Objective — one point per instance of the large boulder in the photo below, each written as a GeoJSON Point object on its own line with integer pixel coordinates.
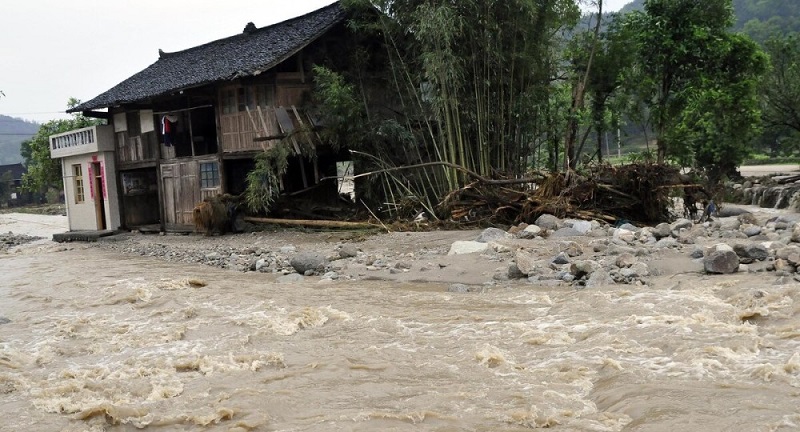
{"type": "Point", "coordinates": [309, 261]}
{"type": "Point", "coordinates": [721, 262]}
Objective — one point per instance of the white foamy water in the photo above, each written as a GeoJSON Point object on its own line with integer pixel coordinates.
{"type": "Point", "coordinates": [98, 341]}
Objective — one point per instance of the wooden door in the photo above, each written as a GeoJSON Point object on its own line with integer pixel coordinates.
{"type": "Point", "coordinates": [181, 186]}
{"type": "Point", "coordinates": [99, 195]}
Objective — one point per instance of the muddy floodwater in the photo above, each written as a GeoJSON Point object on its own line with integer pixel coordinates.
{"type": "Point", "coordinates": [97, 341]}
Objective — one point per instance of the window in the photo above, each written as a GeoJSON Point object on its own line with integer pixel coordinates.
{"type": "Point", "coordinates": [133, 119]}
{"type": "Point", "coordinates": [228, 101]}
{"type": "Point", "coordinates": [77, 176]}
{"type": "Point", "coordinates": [209, 175]}
{"type": "Point", "coordinates": [265, 96]}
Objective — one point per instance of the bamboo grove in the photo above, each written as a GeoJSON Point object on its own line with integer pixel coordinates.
{"type": "Point", "coordinates": [430, 96]}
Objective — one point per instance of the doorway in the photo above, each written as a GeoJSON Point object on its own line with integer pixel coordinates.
{"type": "Point", "coordinates": [99, 196]}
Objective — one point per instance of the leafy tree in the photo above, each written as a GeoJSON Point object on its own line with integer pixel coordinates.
{"type": "Point", "coordinates": [675, 41]}
{"type": "Point", "coordinates": [781, 86]}
{"type": "Point", "coordinates": [612, 56]}
{"type": "Point", "coordinates": [722, 116]}
{"type": "Point", "coordinates": [44, 172]}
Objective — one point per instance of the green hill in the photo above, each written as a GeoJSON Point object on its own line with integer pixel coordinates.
{"type": "Point", "coordinates": [13, 132]}
{"type": "Point", "coordinates": [758, 18]}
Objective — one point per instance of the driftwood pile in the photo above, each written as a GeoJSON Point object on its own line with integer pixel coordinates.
{"type": "Point", "coordinates": [638, 193]}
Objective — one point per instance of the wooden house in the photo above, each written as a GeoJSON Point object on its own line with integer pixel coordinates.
{"type": "Point", "coordinates": [16, 194]}
{"type": "Point", "coordinates": [189, 126]}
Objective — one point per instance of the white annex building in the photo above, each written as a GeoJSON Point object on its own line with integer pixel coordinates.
{"type": "Point", "coordinates": [90, 185]}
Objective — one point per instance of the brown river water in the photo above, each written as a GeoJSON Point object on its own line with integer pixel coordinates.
{"type": "Point", "coordinates": [101, 341]}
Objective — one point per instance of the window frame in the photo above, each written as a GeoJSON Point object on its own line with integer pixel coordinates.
{"type": "Point", "coordinates": [78, 183]}
{"type": "Point", "coordinates": [209, 175]}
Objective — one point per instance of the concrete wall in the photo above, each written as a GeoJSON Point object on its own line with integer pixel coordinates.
{"type": "Point", "coordinates": [83, 216]}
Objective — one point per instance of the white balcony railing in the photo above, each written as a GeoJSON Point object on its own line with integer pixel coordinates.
{"type": "Point", "coordinates": [82, 141]}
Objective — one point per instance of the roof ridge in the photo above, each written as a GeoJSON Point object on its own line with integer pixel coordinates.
{"type": "Point", "coordinates": [163, 54]}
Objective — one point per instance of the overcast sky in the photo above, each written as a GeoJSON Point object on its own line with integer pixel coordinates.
{"type": "Point", "coordinates": [51, 50]}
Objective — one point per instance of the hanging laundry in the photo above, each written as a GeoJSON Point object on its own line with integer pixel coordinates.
{"type": "Point", "coordinates": [168, 129]}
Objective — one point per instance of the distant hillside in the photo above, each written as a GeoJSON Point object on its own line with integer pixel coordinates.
{"type": "Point", "coordinates": [757, 18]}
{"type": "Point", "coordinates": [12, 132]}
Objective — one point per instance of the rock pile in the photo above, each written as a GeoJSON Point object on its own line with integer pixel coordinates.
{"type": "Point", "coordinates": [550, 252]}
{"type": "Point", "coordinates": [9, 240]}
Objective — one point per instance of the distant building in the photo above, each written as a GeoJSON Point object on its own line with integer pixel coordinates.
{"type": "Point", "coordinates": [17, 196]}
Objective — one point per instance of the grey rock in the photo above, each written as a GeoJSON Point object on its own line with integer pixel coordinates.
{"type": "Point", "coordinates": [566, 276]}
{"type": "Point", "coordinates": [527, 261]}
{"type": "Point", "coordinates": [288, 249]}
{"type": "Point", "coordinates": [213, 256]}
{"type": "Point", "coordinates": [260, 264]}
{"type": "Point", "coordinates": [403, 265]}
{"type": "Point", "coordinates": [583, 268]}
{"type": "Point", "coordinates": [571, 248]}
{"type": "Point", "coordinates": [623, 236]}
{"type": "Point", "coordinates": [629, 227]}
{"type": "Point", "coordinates": [548, 222]}
{"type": "Point", "coordinates": [491, 235]}
{"type": "Point", "coordinates": [666, 242]}
{"type": "Point", "coordinates": [625, 260]}
{"type": "Point", "coordinates": [697, 252]}
{"type": "Point", "coordinates": [331, 276]}
{"type": "Point", "coordinates": [566, 232]}
{"type": "Point", "coordinates": [348, 251]}
{"type": "Point", "coordinates": [583, 227]}
{"type": "Point", "coordinates": [530, 232]}
{"type": "Point", "coordinates": [4, 320]}
{"type": "Point", "coordinates": [599, 278]}
{"type": "Point", "coordinates": [306, 261]}
{"type": "Point", "coordinates": [662, 230]}
{"type": "Point", "coordinates": [729, 211]}
{"type": "Point", "coordinates": [681, 224]}
{"type": "Point", "coordinates": [721, 262]}
{"type": "Point", "coordinates": [515, 273]}
{"type": "Point", "coordinates": [754, 251]}
{"type": "Point", "coordinates": [467, 247]}
{"type": "Point", "coordinates": [728, 224]}
{"type": "Point", "coordinates": [789, 253]}
{"type": "Point", "coordinates": [752, 230]}
{"type": "Point", "coordinates": [561, 259]}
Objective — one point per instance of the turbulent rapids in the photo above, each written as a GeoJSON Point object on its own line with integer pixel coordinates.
{"type": "Point", "coordinates": [94, 338]}
{"type": "Point", "coordinates": [114, 347]}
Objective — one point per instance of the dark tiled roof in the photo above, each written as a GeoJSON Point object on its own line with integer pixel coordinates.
{"type": "Point", "coordinates": [250, 53]}
{"type": "Point", "coordinates": [17, 170]}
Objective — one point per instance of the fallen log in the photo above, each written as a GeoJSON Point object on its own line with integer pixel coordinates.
{"type": "Point", "coordinates": [312, 223]}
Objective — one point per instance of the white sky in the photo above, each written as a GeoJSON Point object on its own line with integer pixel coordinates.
{"type": "Point", "coordinates": [51, 50]}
